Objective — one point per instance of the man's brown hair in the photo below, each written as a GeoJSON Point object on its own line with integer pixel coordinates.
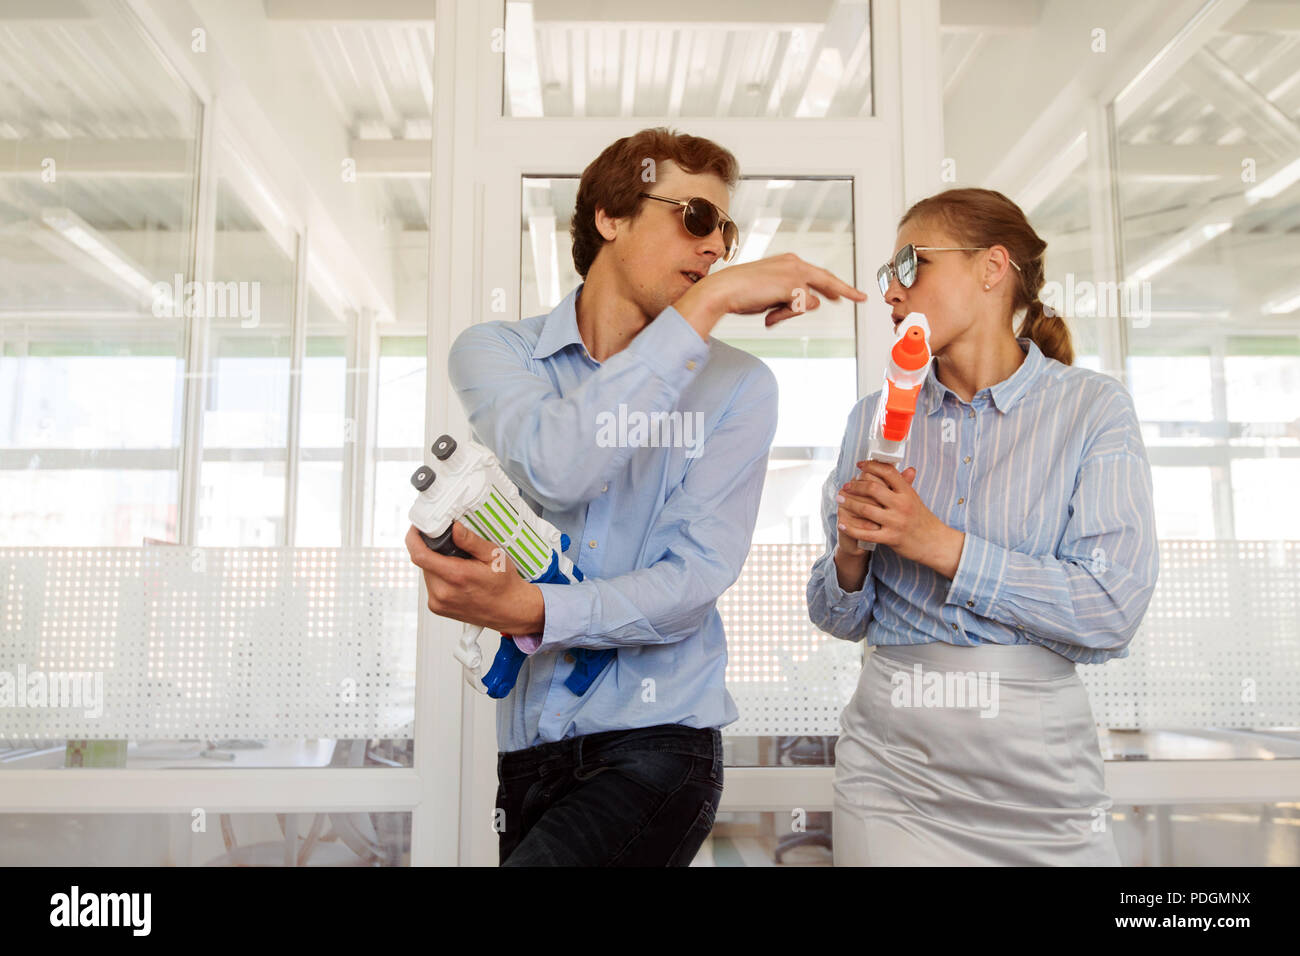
{"type": "Point", "coordinates": [616, 178]}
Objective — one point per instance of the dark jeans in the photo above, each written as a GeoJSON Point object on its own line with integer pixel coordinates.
{"type": "Point", "coordinates": [643, 797]}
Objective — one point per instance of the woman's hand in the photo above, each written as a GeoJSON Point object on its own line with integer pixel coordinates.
{"type": "Point", "coordinates": [854, 496]}
{"type": "Point", "coordinates": [483, 589]}
{"type": "Point", "coordinates": [882, 506]}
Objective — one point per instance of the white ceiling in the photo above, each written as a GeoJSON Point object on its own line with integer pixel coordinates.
{"type": "Point", "coordinates": [76, 84]}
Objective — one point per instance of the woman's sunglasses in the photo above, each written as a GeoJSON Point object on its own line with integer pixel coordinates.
{"type": "Point", "coordinates": [903, 267]}
{"type": "Point", "coordinates": [701, 217]}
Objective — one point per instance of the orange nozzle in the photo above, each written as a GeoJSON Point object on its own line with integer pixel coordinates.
{"type": "Point", "coordinates": [909, 351]}
{"type": "Point", "coordinates": [900, 406]}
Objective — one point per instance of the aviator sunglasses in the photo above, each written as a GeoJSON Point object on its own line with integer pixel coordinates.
{"type": "Point", "coordinates": [701, 217]}
{"type": "Point", "coordinates": [903, 266]}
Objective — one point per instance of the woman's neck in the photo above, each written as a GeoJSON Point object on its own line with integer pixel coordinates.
{"type": "Point", "coordinates": [969, 365]}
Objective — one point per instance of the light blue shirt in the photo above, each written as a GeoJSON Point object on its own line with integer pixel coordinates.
{"type": "Point", "coordinates": [660, 518]}
{"type": "Point", "coordinates": [1047, 475]}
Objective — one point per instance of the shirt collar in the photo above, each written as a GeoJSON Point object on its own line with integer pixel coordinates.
{"type": "Point", "coordinates": [561, 327]}
{"type": "Point", "coordinates": [1005, 393]}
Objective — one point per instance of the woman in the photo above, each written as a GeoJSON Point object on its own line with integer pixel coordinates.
{"type": "Point", "coordinates": [1019, 540]}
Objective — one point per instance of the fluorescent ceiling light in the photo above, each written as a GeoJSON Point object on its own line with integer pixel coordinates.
{"type": "Point", "coordinates": [758, 237]}
{"type": "Point", "coordinates": [822, 85]}
{"type": "Point", "coordinates": [1283, 179]}
{"type": "Point", "coordinates": [525, 86]}
{"type": "Point", "coordinates": [1182, 245]}
{"type": "Point", "coordinates": [85, 237]}
{"type": "Point", "coordinates": [1287, 302]}
{"type": "Point", "coordinates": [541, 234]}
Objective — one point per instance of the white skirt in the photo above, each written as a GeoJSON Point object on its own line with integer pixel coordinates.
{"type": "Point", "coordinates": [970, 756]}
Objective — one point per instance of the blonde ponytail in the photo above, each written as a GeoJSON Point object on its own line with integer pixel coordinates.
{"type": "Point", "coordinates": [1048, 331]}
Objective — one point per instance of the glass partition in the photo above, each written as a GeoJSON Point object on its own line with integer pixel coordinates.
{"type": "Point", "coordinates": [95, 235]}
{"type": "Point", "coordinates": [1207, 176]}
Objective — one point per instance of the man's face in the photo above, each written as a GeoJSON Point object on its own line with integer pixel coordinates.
{"type": "Point", "coordinates": [653, 253]}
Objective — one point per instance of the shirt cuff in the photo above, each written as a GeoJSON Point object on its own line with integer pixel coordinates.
{"type": "Point", "coordinates": [672, 348]}
{"type": "Point", "coordinates": [838, 599]}
{"type": "Point", "coordinates": [979, 577]}
{"type": "Point", "coordinates": [528, 643]}
{"type": "Point", "coordinates": [568, 612]}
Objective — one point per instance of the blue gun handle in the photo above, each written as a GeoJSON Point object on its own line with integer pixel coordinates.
{"type": "Point", "coordinates": [588, 664]}
{"type": "Point", "coordinates": [501, 677]}
{"type": "Point", "coordinates": [503, 673]}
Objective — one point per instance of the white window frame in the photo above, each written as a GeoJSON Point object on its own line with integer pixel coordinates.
{"type": "Point", "coordinates": [476, 223]}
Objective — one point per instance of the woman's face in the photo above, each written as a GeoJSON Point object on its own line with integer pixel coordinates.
{"type": "Point", "coordinates": [949, 286]}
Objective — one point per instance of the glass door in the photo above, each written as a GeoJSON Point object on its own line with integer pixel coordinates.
{"type": "Point", "coordinates": [818, 181]}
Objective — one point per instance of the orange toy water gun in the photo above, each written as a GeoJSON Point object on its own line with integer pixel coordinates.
{"type": "Point", "coordinates": [909, 364]}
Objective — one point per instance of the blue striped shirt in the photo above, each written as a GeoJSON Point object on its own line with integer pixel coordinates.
{"type": "Point", "coordinates": [659, 530]}
{"type": "Point", "coordinates": [1047, 475]}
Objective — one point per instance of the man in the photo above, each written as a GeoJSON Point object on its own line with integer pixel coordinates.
{"type": "Point", "coordinates": [630, 772]}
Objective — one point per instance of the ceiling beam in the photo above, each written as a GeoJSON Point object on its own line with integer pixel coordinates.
{"type": "Point", "coordinates": [722, 14]}
{"type": "Point", "coordinates": [1005, 154]}
{"type": "Point", "coordinates": [12, 10]}
{"type": "Point", "coordinates": [1266, 16]}
{"type": "Point", "coordinates": [151, 158]}
{"type": "Point", "coordinates": [396, 158]}
{"type": "Point", "coordinates": [1239, 102]}
{"type": "Point", "coordinates": [1161, 162]}
{"type": "Point", "coordinates": [349, 11]}
{"type": "Point", "coordinates": [682, 44]}
{"type": "Point", "coordinates": [989, 16]}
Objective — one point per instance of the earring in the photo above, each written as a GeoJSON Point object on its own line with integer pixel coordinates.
{"type": "Point", "coordinates": [986, 287]}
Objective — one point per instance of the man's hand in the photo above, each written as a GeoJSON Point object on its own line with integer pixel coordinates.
{"type": "Point", "coordinates": [781, 286]}
{"type": "Point", "coordinates": [882, 506]}
{"type": "Point", "coordinates": [484, 590]}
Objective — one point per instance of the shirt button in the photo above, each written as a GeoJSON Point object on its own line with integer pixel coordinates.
{"type": "Point", "coordinates": [690, 365]}
{"type": "Point", "coordinates": [967, 459]}
{"type": "Point", "coordinates": [954, 627]}
{"type": "Point", "coordinates": [968, 604]}
{"type": "Point", "coordinates": [972, 413]}
{"type": "Point", "coordinates": [604, 488]}
{"type": "Point", "coordinates": [961, 501]}
{"type": "Point", "coordinates": [568, 658]}
{"type": "Point", "coordinates": [591, 543]}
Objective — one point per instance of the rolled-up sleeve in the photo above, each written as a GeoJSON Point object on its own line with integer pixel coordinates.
{"type": "Point", "coordinates": [840, 613]}
{"type": "Point", "coordinates": [534, 431]}
{"type": "Point", "coordinates": [700, 541]}
{"type": "Point", "coordinates": [1094, 591]}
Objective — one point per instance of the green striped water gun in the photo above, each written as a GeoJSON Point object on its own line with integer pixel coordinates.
{"type": "Point", "coordinates": [469, 485]}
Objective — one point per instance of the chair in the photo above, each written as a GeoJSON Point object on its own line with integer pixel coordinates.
{"type": "Point", "coordinates": [806, 751]}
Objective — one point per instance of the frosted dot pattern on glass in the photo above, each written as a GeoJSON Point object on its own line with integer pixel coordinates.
{"type": "Point", "coordinates": [1219, 646]}
{"type": "Point", "coordinates": [286, 644]}
{"type": "Point", "coordinates": [265, 644]}
{"type": "Point", "coordinates": [787, 677]}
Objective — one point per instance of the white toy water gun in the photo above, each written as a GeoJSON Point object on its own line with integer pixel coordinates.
{"type": "Point", "coordinates": [909, 364]}
{"type": "Point", "coordinates": [469, 485]}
